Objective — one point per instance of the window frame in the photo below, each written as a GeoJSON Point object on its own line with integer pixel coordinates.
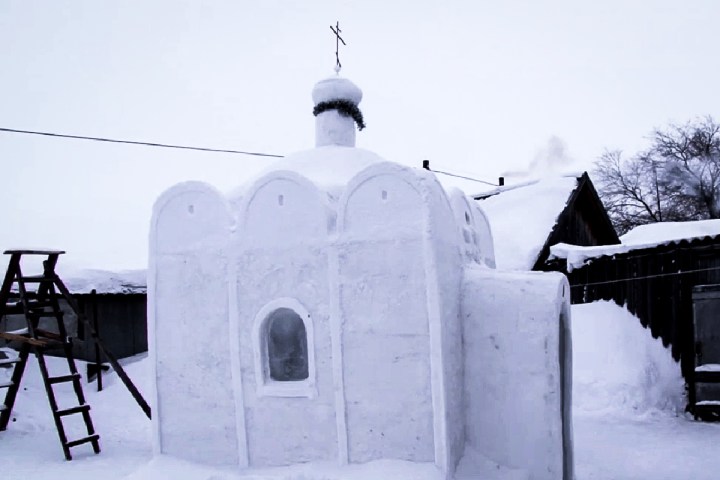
{"type": "Point", "coordinates": [266, 386]}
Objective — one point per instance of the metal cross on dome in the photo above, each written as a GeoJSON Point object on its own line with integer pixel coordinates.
{"type": "Point", "coordinates": [336, 30]}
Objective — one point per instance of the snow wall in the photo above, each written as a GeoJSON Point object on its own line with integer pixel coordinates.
{"type": "Point", "coordinates": [193, 379]}
{"type": "Point", "coordinates": [518, 373]}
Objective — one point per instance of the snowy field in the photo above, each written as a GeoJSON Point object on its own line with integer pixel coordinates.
{"type": "Point", "coordinates": [628, 420]}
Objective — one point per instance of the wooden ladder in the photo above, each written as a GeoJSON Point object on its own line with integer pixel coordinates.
{"type": "Point", "coordinates": [42, 303]}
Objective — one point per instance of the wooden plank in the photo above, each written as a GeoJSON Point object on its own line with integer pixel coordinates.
{"type": "Point", "coordinates": [20, 338]}
{"type": "Point", "coordinates": [34, 252]}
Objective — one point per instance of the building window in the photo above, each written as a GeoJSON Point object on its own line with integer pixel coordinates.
{"type": "Point", "coordinates": [286, 346]}
{"type": "Point", "coordinates": [284, 350]}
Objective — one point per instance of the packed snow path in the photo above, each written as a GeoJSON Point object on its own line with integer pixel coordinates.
{"type": "Point", "coordinates": [661, 448]}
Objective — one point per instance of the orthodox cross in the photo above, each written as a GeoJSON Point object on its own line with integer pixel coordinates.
{"type": "Point", "coordinates": [336, 30]}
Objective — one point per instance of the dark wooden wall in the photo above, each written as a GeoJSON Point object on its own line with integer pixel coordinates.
{"type": "Point", "coordinates": [121, 320]}
{"type": "Point", "coordinates": [122, 324]}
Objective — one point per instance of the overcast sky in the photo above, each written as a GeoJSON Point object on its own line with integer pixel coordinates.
{"type": "Point", "coordinates": [478, 87]}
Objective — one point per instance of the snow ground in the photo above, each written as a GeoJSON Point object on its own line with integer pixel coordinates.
{"type": "Point", "coordinates": [630, 431]}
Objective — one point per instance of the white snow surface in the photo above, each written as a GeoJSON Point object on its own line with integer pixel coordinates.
{"type": "Point", "coordinates": [708, 367]}
{"type": "Point", "coordinates": [618, 368]}
{"type": "Point", "coordinates": [523, 216]}
{"type": "Point", "coordinates": [618, 443]}
{"type": "Point", "coordinates": [643, 236]}
{"type": "Point", "coordinates": [84, 281]}
{"type": "Point", "coordinates": [665, 232]}
{"type": "Point", "coordinates": [104, 281]}
{"type": "Point", "coordinates": [321, 166]}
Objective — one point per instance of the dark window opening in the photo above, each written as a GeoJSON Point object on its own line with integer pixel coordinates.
{"type": "Point", "coordinates": [287, 350]}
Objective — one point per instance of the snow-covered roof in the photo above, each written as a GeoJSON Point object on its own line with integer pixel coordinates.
{"type": "Point", "coordinates": [522, 216]}
{"type": "Point", "coordinates": [644, 236]}
{"type": "Point", "coordinates": [105, 282]}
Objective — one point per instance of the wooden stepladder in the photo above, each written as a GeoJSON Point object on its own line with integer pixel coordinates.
{"type": "Point", "coordinates": [35, 304]}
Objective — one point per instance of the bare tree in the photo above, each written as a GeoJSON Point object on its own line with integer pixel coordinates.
{"type": "Point", "coordinates": [691, 158]}
{"type": "Point", "coordinates": [676, 179]}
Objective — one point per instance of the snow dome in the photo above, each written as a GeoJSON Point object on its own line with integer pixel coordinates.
{"type": "Point", "coordinates": [346, 308]}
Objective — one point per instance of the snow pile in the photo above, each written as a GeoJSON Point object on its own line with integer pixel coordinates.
{"type": "Point", "coordinates": [644, 236]}
{"type": "Point", "coordinates": [522, 217]}
{"type": "Point", "coordinates": [618, 368]}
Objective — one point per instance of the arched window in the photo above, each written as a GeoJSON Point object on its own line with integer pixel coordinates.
{"type": "Point", "coordinates": [283, 346]}
{"type": "Point", "coordinates": [287, 352]}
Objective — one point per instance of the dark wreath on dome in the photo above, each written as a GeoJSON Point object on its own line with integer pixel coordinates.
{"type": "Point", "coordinates": [346, 109]}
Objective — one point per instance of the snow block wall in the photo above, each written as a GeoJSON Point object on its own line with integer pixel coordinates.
{"type": "Point", "coordinates": [390, 305]}
{"type": "Point", "coordinates": [188, 276]}
{"type": "Point", "coordinates": [518, 370]}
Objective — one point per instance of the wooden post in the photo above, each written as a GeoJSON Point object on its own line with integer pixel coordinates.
{"type": "Point", "coordinates": [98, 363]}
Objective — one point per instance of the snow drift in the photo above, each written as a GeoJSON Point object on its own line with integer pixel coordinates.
{"type": "Point", "coordinates": [618, 368]}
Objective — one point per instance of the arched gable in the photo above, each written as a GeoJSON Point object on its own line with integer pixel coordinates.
{"type": "Point", "coordinates": [284, 207]}
{"type": "Point", "coordinates": [189, 216]}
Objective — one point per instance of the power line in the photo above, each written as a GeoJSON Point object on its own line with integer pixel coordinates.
{"type": "Point", "coordinates": [186, 147]}
{"type": "Point", "coordinates": [464, 177]}
{"type": "Point", "coordinates": [146, 144]}
{"type": "Point", "coordinates": [644, 277]}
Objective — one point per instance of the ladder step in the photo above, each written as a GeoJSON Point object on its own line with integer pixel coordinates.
{"type": "Point", "coordinates": [37, 279]}
{"type": "Point", "coordinates": [63, 378]}
{"type": "Point", "coordinates": [20, 251]}
{"type": "Point", "coordinates": [73, 410]}
{"type": "Point", "coordinates": [75, 443]}
{"type": "Point", "coordinates": [35, 304]}
{"type": "Point", "coordinates": [6, 385]}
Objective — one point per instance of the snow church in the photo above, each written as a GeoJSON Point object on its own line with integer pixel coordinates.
{"type": "Point", "coordinates": [345, 308]}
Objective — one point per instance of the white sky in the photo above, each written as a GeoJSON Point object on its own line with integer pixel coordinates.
{"type": "Point", "coordinates": [479, 87]}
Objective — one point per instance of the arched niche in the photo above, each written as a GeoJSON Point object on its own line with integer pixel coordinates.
{"type": "Point", "coordinates": [284, 350]}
